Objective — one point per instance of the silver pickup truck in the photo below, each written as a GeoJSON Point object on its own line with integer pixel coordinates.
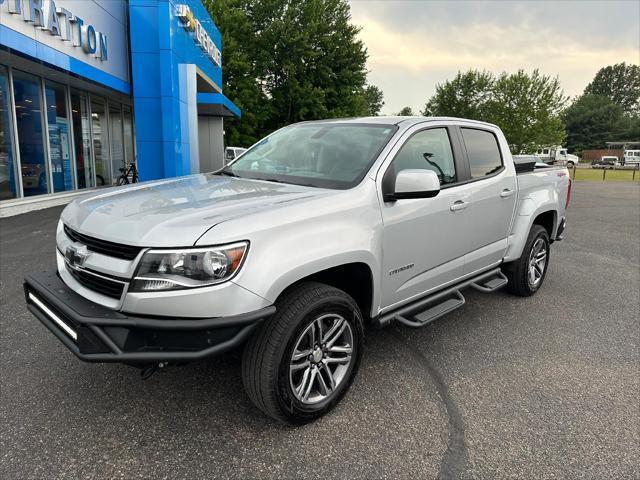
{"type": "Point", "coordinates": [319, 230]}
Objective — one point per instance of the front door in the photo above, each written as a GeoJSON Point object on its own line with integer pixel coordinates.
{"type": "Point", "coordinates": [425, 239]}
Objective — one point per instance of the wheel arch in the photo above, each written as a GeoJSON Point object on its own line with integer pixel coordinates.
{"type": "Point", "coordinates": [354, 278]}
{"type": "Point", "coordinates": [545, 216]}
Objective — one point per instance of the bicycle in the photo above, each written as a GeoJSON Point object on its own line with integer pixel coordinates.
{"type": "Point", "coordinates": [127, 172]}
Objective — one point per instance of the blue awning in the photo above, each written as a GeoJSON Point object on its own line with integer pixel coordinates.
{"type": "Point", "coordinates": [216, 104]}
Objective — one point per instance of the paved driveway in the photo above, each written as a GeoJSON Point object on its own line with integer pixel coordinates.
{"type": "Point", "coordinates": [545, 387]}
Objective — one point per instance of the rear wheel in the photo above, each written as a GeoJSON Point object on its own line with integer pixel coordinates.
{"type": "Point", "coordinates": [527, 274]}
{"type": "Point", "coordinates": [302, 361]}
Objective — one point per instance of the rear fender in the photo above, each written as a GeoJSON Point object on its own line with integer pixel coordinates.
{"type": "Point", "coordinates": [522, 224]}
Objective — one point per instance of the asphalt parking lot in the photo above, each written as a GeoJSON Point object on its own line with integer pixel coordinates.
{"type": "Point", "coordinates": [544, 387]}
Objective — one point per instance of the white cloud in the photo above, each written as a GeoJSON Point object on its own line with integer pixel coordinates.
{"type": "Point", "coordinates": [407, 62]}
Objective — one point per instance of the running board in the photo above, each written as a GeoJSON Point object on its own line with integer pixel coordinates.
{"type": "Point", "coordinates": [425, 310]}
{"type": "Point", "coordinates": [491, 284]}
{"type": "Point", "coordinates": [434, 312]}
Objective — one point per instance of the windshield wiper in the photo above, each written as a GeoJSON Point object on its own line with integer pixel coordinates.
{"type": "Point", "coordinates": [227, 173]}
{"type": "Point", "coordinates": [274, 180]}
{"type": "Point", "coordinates": [269, 180]}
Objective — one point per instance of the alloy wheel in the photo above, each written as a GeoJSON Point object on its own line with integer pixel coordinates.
{"type": "Point", "coordinates": [321, 358]}
{"type": "Point", "coordinates": [537, 262]}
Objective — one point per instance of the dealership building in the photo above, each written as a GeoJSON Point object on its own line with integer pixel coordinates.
{"type": "Point", "coordinates": [87, 87]}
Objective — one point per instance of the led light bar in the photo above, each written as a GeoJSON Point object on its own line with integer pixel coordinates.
{"type": "Point", "coordinates": [69, 331]}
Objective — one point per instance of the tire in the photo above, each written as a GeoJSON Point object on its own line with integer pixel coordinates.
{"type": "Point", "coordinates": [122, 180]}
{"type": "Point", "coordinates": [519, 273]}
{"type": "Point", "coordinates": [270, 380]}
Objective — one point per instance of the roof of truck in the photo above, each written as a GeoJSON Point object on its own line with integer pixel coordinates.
{"type": "Point", "coordinates": [397, 120]}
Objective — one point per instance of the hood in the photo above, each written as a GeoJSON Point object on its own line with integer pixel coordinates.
{"type": "Point", "coordinates": [176, 212]}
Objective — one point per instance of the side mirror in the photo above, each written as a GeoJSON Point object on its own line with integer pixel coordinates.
{"type": "Point", "coordinates": [414, 184]}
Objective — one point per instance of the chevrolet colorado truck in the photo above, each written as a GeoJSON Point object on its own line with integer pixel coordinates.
{"type": "Point", "coordinates": [317, 231]}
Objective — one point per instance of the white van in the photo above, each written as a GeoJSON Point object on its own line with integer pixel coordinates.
{"type": "Point", "coordinates": [632, 157]}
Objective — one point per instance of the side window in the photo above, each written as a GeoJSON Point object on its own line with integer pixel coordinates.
{"type": "Point", "coordinates": [428, 150]}
{"type": "Point", "coordinates": [483, 151]}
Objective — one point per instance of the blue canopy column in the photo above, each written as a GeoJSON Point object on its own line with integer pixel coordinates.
{"type": "Point", "coordinates": [177, 76]}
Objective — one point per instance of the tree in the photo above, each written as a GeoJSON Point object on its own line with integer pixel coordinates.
{"type": "Point", "coordinates": [619, 82]}
{"type": "Point", "coordinates": [593, 120]}
{"type": "Point", "coordinates": [405, 112]}
{"type": "Point", "coordinates": [374, 98]}
{"type": "Point", "coordinates": [290, 60]}
{"type": "Point", "coordinates": [527, 107]}
{"type": "Point", "coordinates": [465, 96]}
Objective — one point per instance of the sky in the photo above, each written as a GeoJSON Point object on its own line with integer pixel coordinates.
{"type": "Point", "coordinates": [415, 44]}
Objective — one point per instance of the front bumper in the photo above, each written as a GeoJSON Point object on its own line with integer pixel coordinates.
{"type": "Point", "coordinates": [98, 334]}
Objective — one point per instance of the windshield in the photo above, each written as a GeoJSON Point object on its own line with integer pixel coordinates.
{"type": "Point", "coordinates": [326, 155]}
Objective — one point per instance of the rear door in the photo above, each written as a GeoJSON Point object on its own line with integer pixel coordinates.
{"type": "Point", "coordinates": [494, 196]}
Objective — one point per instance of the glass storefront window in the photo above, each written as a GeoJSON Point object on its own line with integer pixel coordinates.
{"type": "Point", "coordinates": [8, 180]}
{"type": "Point", "coordinates": [128, 135]}
{"type": "Point", "coordinates": [55, 138]}
{"type": "Point", "coordinates": [26, 89]}
{"type": "Point", "coordinates": [82, 138]}
{"type": "Point", "coordinates": [117, 148]}
{"type": "Point", "coordinates": [59, 137]}
{"type": "Point", "coordinates": [100, 135]}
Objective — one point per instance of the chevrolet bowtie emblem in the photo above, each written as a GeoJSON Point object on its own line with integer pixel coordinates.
{"type": "Point", "coordinates": [76, 255]}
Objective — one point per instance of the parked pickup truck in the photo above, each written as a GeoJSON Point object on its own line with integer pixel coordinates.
{"type": "Point", "coordinates": [317, 231]}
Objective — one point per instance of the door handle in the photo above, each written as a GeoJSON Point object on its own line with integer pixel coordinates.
{"type": "Point", "coordinates": [507, 192]}
{"type": "Point", "coordinates": [459, 205]}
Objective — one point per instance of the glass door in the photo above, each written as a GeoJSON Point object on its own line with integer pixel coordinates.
{"type": "Point", "coordinates": [27, 94]}
{"type": "Point", "coordinates": [9, 187]}
{"type": "Point", "coordinates": [59, 136]}
{"type": "Point", "coordinates": [129, 148]}
{"type": "Point", "coordinates": [100, 137]}
{"type": "Point", "coordinates": [117, 147]}
{"type": "Point", "coordinates": [82, 138]}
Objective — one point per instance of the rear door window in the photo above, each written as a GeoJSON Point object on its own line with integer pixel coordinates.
{"type": "Point", "coordinates": [483, 152]}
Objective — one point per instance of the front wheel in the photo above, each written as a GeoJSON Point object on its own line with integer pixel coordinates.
{"type": "Point", "coordinates": [301, 362]}
{"type": "Point", "coordinates": [526, 274]}
{"type": "Point", "coordinates": [122, 180]}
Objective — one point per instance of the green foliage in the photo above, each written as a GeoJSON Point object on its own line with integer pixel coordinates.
{"type": "Point", "coordinates": [527, 107]}
{"type": "Point", "coordinates": [466, 96]}
{"type": "Point", "coordinates": [406, 112]}
{"type": "Point", "coordinates": [619, 82]}
{"type": "Point", "coordinates": [528, 110]}
{"type": "Point", "coordinates": [374, 98]}
{"type": "Point", "coordinates": [290, 60]}
{"type": "Point", "coordinates": [593, 120]}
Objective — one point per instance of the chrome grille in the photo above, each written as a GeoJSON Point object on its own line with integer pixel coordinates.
{"type": "Point", "coordinates": [118, 250]}
{"type": "Point", "coordinates": [103, 285]}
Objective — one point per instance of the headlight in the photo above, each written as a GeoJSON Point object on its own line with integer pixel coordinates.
{"type": "Point", "coordinates": [162, 270]}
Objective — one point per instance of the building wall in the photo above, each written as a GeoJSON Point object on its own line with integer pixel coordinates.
{"type": "Point", "coordinates": [211, 143]}
{"type": "Point", "coordinates": [590, 155]}
{"type": "Point", "coordinates": [109, 18]}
